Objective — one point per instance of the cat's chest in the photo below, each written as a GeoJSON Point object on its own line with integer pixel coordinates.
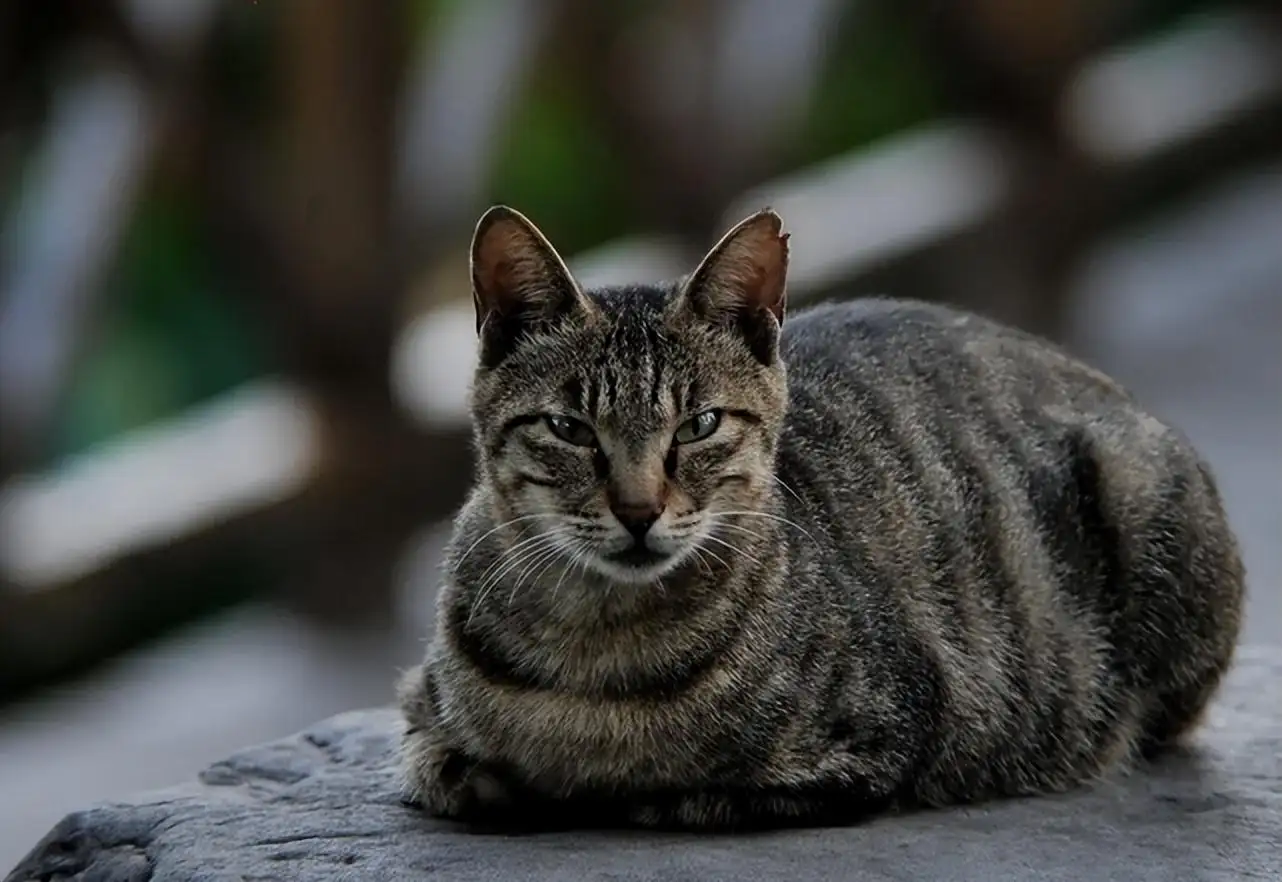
{"type": "Point", "coordinates": [560, 740]}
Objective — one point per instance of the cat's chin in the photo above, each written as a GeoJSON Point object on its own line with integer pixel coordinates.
{"type": "Point", "coordinates": [643, 568]}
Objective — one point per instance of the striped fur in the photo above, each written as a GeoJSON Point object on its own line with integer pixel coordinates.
{"type": "Point", "coordinates": [965, 566]}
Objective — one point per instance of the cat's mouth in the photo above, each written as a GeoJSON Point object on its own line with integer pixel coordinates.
{"type": "Point", "coordinates": [638, 556]}
{"type": "Point", "coordinates": [638, 564]}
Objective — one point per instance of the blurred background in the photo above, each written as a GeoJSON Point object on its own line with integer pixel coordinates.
{"type": "Point", "coordinates": [236, 332]}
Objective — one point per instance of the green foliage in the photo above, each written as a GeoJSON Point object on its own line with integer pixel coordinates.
{"type": "Point", "coordinates": [422, 16]}
{"type": "Point", "coordinates": [169, 336]}
{"type": "Point", "coordinates": [877, 82]}
{"type": "Point", "coordinates": [556, 163]}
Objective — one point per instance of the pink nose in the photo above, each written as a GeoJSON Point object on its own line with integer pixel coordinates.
{"type": "Point", "coordinates": [637, 518]}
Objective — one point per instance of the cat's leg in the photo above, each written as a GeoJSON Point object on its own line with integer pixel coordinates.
{"type": "Point", "coordinates": [440, 777]}
{"type": "Point", "coordinates": [724, 809]}
{"type": "Point", "coordinates": [437, 773]}
{"type": "Point", "coordinates": [446, 783]}
{"type": "Point", "coordinates": [713, 809]}
{"type": "Point", "coordinates": [837, 792]}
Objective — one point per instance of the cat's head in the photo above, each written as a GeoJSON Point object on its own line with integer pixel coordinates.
{"type": "Point", "coordinates": [628, 426]}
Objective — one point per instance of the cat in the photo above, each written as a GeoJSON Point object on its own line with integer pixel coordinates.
{"type": "Point", "coordinates": [722, 572]}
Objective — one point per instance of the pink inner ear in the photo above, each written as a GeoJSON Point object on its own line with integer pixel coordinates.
{"type": "Point", "coordinates": [510, 267]}
{"type": "Point", "coordinates": [775, 282]}
{"type": "Point", "coordinates": [501, 278]}
{"type": "Point", "coordinates": [749, 269]}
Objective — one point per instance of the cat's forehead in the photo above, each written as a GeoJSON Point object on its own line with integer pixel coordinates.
{"type": "Point", "coordinates": [635, 335]}
{"type": "Point", "coordinates": [633, 370]}
{"type": "Point", "coordinates": [632, 365]}
{"type": "Point", "coordinates": [633, 315]}
{"type": "Point", "coordinates": [641, 373]}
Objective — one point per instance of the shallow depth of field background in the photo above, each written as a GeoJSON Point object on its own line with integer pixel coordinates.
{"type": "Point", "coordinates": [236, 333]}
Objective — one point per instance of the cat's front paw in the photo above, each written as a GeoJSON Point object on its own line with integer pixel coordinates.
{"type": "Point", "coordinates": [697, 810]}
{"type": "Point", "coordinates": [446, 783]}
{"type": "Point", "coordinates": [726, 810]}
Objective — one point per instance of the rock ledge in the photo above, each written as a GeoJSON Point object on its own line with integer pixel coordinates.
{"type": "Point", "coordinates": [323, 805]}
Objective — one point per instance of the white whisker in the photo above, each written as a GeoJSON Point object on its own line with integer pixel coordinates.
{"type": "Point", "coordinates": [699, 551]}
{"type": "Point", "coordinates": [527, 541]}
{"type": "Point", "coordinates": [488, 533]}
{"type": "Point", "coordinates": [782, 483]}
{"type": "Point", "coordinates": [753, 533]}
{"type": "Point", "coordinates": [548, 557]}
{"type": "Point", "coordinates": [516, 557]}
{"type": "Point", "coordinates": [510, 560]}
{"type": "Point", "coordinates": [578, 557]}
{"type": "Point", "coordinates": [718, 558]}
{"type": "Point", "coordinates": [766, 515]}
{"type": "Point", "coordinates": [733, 548]}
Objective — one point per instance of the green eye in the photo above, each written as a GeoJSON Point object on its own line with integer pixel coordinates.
{"type": "Point", "coordinates": [571, 431]}
{"type": "Point", "coordinates": [698, 427]}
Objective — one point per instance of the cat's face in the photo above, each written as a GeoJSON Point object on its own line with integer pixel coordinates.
{"type": "Point", "coordinates": [626, 428]}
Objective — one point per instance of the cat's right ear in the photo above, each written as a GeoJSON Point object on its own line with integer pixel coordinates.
{"type": "Point", "coordinates": [741, 283]}
{"type": "Point", "coordinates": [519, 283]}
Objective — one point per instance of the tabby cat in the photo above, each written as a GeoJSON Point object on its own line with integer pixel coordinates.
{"type": "Point", "coordinates": [719, 573]}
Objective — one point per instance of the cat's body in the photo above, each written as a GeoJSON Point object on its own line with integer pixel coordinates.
{"type": "Point", "coordinates": [945, 562]}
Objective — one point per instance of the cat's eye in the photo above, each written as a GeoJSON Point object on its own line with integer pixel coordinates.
{"type": "Point", "coordinates": [698, 427]}
{"type": "Point", "coordinates": [571, 431]}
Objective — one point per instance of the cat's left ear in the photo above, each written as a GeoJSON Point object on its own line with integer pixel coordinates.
{"type": "Point", "coordinates": [742, 282]}
{"type": "Point", "coordinates": [519, 283]}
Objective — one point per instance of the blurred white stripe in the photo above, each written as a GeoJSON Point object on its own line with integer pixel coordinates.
{"type": "Point", "coordinates": [254, 447]}
{"type": "Point", "coordinates": [1136, 100]}
{"type": "Point", "coordinates": [172, 26]}
{"type": "Point", "coordinates": [456, 100]}
{"type": "Point", "coordinates": [874, 204]}
{"type": "Point", "coordinates": [72, 211]}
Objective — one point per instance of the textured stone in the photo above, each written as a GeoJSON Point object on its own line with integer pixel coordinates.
{"type": "Point", "coordinates": [323, 805]}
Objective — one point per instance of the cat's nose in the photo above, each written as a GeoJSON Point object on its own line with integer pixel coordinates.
{"type": "Point", "coordinates": [637, 518]}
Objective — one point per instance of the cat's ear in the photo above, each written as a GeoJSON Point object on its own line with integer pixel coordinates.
{"type": "Point", "coordinates": [742, 282]}
{"type": "Point", "coordinates": [519, 283]}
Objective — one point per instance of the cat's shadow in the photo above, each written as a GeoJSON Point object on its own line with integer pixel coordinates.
{"type": "Point", "coordinates": [1184, 780]}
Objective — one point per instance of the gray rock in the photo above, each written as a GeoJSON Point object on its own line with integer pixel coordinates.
{"type": "Point", "coordinates": [323, 805]}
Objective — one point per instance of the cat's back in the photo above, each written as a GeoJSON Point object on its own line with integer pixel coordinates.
{"type": "Point", "coordinates": [904, 402]}
{"type": "Point", "coordinates": [902, 348]}
{"type": "Point", "coordinates": [986, 502]}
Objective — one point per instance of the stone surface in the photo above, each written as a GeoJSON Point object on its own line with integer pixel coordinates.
{"type": "Point", "coordinates": [323, 805]}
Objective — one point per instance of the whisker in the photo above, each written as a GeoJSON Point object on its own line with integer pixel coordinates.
{"type": "Point", "coordinates": [489, 586]}
{"type": "Point", "coordinates": [487, 534]}
{"type": "Point", "coordinates": [733, 548]}
{"type": "Point", "coordinates": [700, 549]}
{"type": "Point", "coordinates": [698, 562]}
{"type": "Point", "coordinates": [729, 526]}
{"type": "Point", "coordinates": [579, 555]}
{"type": "Point", "coordinates": [772, 517]}
{"type": "Point", "coordinates": [566, 565]}
{"type": "Point", "coordinates": [519, 545]}
{"type": "Point", "coordinates": [547, 557]}
{"type": "Point", "coordinates": [516, 557]}
{"type": "Point", "coordinates": [510, 560]}
{"type": "Point", "coordinates": [784, 484]}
